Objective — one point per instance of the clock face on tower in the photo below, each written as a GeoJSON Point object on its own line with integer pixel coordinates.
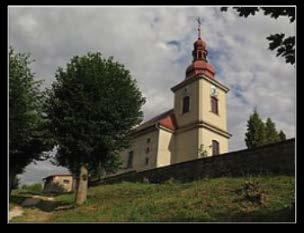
{"type": "Point", "coordinates": [185, 91]}
{"type": "Point", "coordinates": [213, 91]}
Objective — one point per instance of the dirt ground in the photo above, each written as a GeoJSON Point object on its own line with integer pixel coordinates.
{"type": "Point", "coordinates": [34, 201]}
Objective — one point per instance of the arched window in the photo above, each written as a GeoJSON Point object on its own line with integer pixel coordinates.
{"type": "Point", "coordinates": [215, 147]}
{"type": "Point", "coordinates": [199, 55]}
{"type": "Point", "coordinates": [186, 104]}
{"type": "Point", "coordinates": [214, 104]}
{"type": "Point", "coordinates": [147, 161]}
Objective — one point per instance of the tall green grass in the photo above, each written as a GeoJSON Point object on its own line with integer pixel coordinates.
{"type": "Point", "coordinates": [207, 200]}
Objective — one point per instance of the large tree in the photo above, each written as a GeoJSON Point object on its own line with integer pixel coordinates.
{"type": "Point", "coordinates": [260, 133]}
{"type": "Point", "coordinates": [282, 136]}
{"type": "Point", "coordinates": [255, 135]}
{"type": "Point", "coordinates": [279, 42]}
{"type": "Point", "coordinates": [92, 107]}
{"type": "Point", "coordinates": [271, 133]}
{"type": "Point", "coordinates": [27, 132]}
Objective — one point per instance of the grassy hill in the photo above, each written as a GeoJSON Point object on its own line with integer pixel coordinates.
{"type": "Point", "coordinates": [265, 198]}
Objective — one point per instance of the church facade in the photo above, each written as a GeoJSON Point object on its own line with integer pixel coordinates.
{"type": "Point", "coordinates": [195, 127]}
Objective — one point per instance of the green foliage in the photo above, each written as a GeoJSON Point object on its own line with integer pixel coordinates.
{"type": "Point", "coordinates": [16, 182]}
{"type": "Point", "coordinates": [33, 188]}
{"type": "Point", "coordinates": [260, 133]}
{"type": "Point", "coordinates": [255, 135]}
{"type": "Point", "coordinates": [282, 136]}
{"type": "Point", "coordinates": [202, 152]}
{"type": "Point", "coordinates": [91, 108]}
{"type": "Point", "coordinates": [271, 132]}
{"type": "Point", "coordinates": [27, 132]}
{"type": "Point", "coordinates": [284, 47]}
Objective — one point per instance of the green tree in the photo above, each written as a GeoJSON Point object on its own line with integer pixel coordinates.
{"type": "Point", "coordinates": [16, 183]}
{"type": "Point", "coordinates": [91, 107]}
{"type": "Point", "coordinates": [27, 131]}
{"type": "Point", "coordinates": [282, 136]}
{"type": "Point", "coordinates": [285, 47]}
{"type": "Point", "coordinates": [271, 134]}
{"type": "Point", "coordinates": [255, 135]}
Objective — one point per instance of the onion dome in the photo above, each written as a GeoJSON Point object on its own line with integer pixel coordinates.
{"type": "Point", "coordinates": [200, 64]}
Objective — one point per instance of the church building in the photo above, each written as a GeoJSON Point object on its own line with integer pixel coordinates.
{"type": "Point", "coordinates": [196, 126]}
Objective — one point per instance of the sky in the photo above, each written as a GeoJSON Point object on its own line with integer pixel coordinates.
{"type": "Point", "coordinates": [155, 45]}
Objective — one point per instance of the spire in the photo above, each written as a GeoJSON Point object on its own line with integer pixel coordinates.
{"type": "Point", "coordinates": [199, 27]}
{"type": "Point", "coordinates": [200, 64]}
{"type": "Point", "coordinates": [199, 52]}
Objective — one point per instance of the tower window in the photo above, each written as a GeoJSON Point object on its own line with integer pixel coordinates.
{"type": "Point", "coordinates": [148, 140]}
{"type": "Point", "coordinates": [199, 56]}
{"type": "Point", "coordinates": [147, 150]}
{"type": "Point", "coordinates": [214, 104]}
{"type": "Point", "coordinates": [147, 161]}
{"type": "Point", "coordinates": [130, 160]}
{"type": "Point", "coordinates": [186, 104]}
{"type": "Point", "coordinates": [215, 147]}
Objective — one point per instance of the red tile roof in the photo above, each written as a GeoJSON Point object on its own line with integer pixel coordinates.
{"type": "Point", "coordinates": [169, 121]}
{"type": "Point", "coordinates": [165, 119]}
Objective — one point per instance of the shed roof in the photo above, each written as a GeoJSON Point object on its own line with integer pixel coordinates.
{"type": "Point", "coordinates": [67, 174]}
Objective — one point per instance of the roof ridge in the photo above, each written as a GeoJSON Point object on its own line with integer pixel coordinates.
{"type": "Point", "coordinates": [155, 119]}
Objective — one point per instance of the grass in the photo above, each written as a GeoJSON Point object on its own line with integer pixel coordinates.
{"type": "Point", "coordinates": [212, 200]}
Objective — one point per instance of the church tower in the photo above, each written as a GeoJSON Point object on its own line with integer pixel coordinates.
{"type": "Point", "coordinates": [200, 109]}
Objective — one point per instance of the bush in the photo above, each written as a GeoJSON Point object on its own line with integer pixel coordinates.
{"type": "Point", "coordinates": [33, 188]}
{"type": "Point", "coordinates": [252, 192]}
{"type": "Point", "coordinates": [171, 181]}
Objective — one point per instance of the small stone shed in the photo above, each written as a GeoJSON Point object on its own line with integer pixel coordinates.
{"type": "Point", "coordinates": [58, 183]}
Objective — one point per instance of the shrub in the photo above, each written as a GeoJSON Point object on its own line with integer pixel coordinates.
{"type": "Point", "coordinates": [33, 188]}
{"type": "Point", "coordinates": [171, 181]}
{"type": "Point", "coordinates": [252, 192]}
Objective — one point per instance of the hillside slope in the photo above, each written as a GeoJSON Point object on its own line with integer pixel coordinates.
{"type": "Point", "coordinates": [229, 199]}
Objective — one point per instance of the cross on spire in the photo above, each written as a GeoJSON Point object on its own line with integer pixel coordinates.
{"type": "Point", "coordinates": [199, 26]}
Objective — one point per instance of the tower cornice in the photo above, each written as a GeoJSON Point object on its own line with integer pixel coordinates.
{"type": "Point", "coordinates": [190, 80]}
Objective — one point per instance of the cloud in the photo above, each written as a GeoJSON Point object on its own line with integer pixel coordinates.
{"type": "Point", "coordinates": [155, 44]}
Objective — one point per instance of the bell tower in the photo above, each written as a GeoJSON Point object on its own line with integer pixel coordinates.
{"type": "Point", "coordinates": [200, 109]}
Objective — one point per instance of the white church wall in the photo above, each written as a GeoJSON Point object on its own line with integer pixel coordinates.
{"type": "Point", "coordinates": [205, 114]}
{"type": "Point", "coordinates": [186, 146]}
{"type": "Point", "coordinates": [206, 137]}
{"type": "Point", "coordinates": [165, 148]}
{"type": "Point", "coordinates": [140, 146]}
{"type": "Point", "coordinates": [192, 91]}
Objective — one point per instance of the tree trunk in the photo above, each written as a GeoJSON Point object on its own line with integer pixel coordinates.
{"type": "Point", "coordinates": [82, 186]}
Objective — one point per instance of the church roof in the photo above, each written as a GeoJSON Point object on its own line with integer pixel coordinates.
{"type": "Point", "coordinates": [165, 119]}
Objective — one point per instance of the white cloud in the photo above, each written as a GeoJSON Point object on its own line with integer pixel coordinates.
{"type": "Point", "coordinates": [138, 37]}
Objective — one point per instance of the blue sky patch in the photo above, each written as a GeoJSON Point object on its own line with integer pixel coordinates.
{"type": "Point", "coordinates": [237, 90]}
{"type": "Point", "coordinates": [174, 43]}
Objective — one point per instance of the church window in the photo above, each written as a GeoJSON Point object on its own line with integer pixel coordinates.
{"type": "Point", "coordinates": [214, 104]}
{"type": "Point", "coordinates": [147, 161]}
{"type": "Point", "coordinates": [215, 147]}
{"type": "Point", "coordinates": [147, 150]}
{"type": "Point", "coordinates": [148, 140]}
{"type": "Point", "coordinates": [186, 104]}
{"type": "Point", "coordinates": [130, 160]}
